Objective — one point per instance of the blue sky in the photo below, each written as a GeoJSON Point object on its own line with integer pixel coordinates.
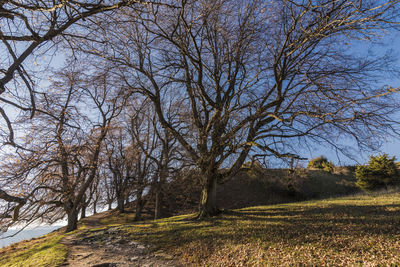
{"type": "Point", "coordinates": [391, 146]}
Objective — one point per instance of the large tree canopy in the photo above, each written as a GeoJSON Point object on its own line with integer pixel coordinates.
{"type": "Point", "coordinates": [29, 28]}
{"type": "Point", "coordinates": [62, 146]}
{"type": "Point", "coordinates": [252, 76]}
{"type": "Point", "coordinates": [227, 79]}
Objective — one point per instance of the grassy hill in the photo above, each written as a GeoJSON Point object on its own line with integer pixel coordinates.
{"type": "Point", "coordinates": [360, 230]}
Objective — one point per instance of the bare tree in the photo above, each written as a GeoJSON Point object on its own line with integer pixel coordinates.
{"type": "Point", "coordinates": [96, 195]}
{"type": "Point", "coordinates": [29, 28]}
{"type": "Point", "coordinates": [254, 75]}
{"type": "Point", "coordinates": [120, 163]}
{"type": "Point", "coordinates": [168, 161]}
{"type": "Point", "coordinates": [106, 188]}
{"type": "Point", "coordinates": [139, 155]}
{"type": "Point", "coordinates": [143, 145]}
{"type": "Point", "coordinates": [163, 151]}
{"type": "Point", "coordinates": [91, 198]}
{"type": "Point", "coordinates": [61, 156]}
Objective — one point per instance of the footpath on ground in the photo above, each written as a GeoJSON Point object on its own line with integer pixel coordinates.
{"type": "Point", "coordinates": [99, 246]}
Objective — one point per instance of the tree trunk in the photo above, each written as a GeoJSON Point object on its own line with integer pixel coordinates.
{"type": "Point", "coordinates": [83, 212]}
{"type": "Point", "coordinates": [109, 205]}
{"type": "Point", "coordinates": [158, 203]}
{"type": "Point", "coordinates": [139, 205]}
{"type": "Point", "coordinates": [72, 220]}
{"type": "Point", "coordinates": [138, 212]}
{"type": "Point", "coordinates": [121, 205]}
{"type": "Point", "coordinates": [208, 202]}
{"type": "Point", "coordinates": [94, 207]}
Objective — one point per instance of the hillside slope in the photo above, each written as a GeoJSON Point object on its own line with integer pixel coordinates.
{"type": "Point", "coordinates": [351, 231]}
{"type": "Point", "coordinates": [361, 230]}
{"type": "Point", "coordinates": [258, 186]}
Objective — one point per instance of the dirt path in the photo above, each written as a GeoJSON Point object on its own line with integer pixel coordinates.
{"type": "Point", "coordinates": [100, 246]}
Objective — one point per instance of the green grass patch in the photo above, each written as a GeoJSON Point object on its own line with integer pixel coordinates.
{"type": "Point", "coordinates": [123, 218]}
{"type": "Point", "coordinates": [43, 251]}
{"type": "Point", "coordinates": [358, 230]}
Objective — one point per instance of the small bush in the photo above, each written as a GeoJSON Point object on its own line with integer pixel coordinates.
{"type": "Point", "coordinates": [328, 166]}
{"type": "Point", "coordinates": [316, 163]}
{"type": "Point", "coordinates": [321, 163]}
{"type": "Point", "coordinates": [380, 172]}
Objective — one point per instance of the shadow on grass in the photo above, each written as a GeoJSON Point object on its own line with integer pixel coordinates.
{"type": "Point", "coordinates": [300, 225]}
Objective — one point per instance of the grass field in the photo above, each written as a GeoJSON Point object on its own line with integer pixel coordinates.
{"type": "Point", "coordinates": [361, 230]}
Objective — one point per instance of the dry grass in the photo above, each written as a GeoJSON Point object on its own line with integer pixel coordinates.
{"type": "Point", "coordinates": [359, 230]}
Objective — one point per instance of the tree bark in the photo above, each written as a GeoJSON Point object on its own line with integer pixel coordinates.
{"type": "Point", "coordinates": [95, 207]}
{"type": "Point", "coordinates": [158, 203]}
{"type": "Point", "coordinates": [208, 202]}
{"type": "Point", "coordinates": [139, 205]}
{"type": "Point", "coordinates": [72, 220]}
{"type": "Point", "coordinates": [138, 212]}
{"type": "Point", "coordinates": [121, 205]}
{"type": "Point", "coordinates": [83, 212]}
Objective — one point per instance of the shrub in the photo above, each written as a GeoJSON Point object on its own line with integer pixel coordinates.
{"type": "Point", "coordinates": [380, 172]}
{"type": "Point", "coordinates": [316, 163]}
{"type": "Point", "coordinates": [322, 163]}
{"type": "Point", "coordinates": [328, 166]}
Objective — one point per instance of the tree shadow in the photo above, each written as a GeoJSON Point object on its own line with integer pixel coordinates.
{"type": "Point", "coordinates": [301, 225]}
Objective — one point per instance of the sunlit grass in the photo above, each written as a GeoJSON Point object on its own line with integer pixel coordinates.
{"type": "Point", "coordinates": [122, 218]}
{"type": "Point", "coordinates": [44, 251]}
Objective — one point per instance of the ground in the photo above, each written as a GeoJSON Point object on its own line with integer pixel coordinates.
{"type": "Point", "coordinates": [362, 230]}
{"type": "Point", "coordinates": [359, 230]}
{"type": "Point", "coordinates": [99, 245]}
